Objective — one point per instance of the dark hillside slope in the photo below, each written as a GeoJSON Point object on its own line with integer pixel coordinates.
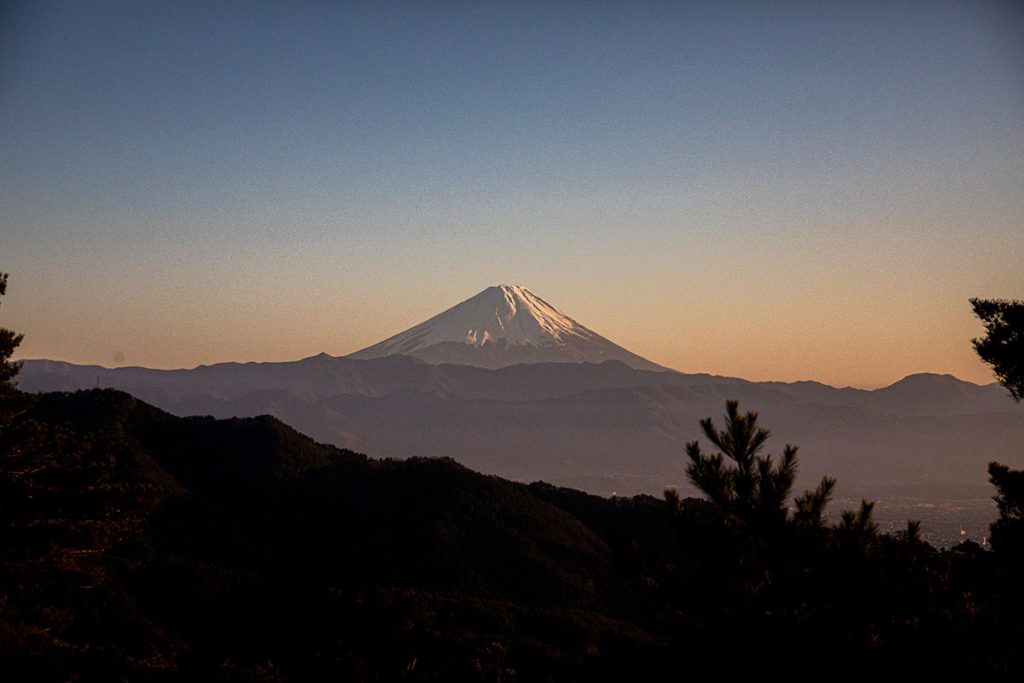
{"type": "Point", "coordinates": [269, 547]}
{"type": "Point", "coordinates": [248, 492]}
{"type": "Point", "coordinates": [179, 455]}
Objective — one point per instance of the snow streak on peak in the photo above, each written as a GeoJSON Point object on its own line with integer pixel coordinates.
{"type": "Point", "coordinates": [507, 324]}
{"type": "Point", "coordinates": [524, 312]}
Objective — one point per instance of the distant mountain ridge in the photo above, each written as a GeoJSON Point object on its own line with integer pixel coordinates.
{"type": "Point", "coordinates": [919, 394]}
{"type": "Point", "coordinates": [502, 326]}
{"type": "Point", "coordinates": [601, 427]}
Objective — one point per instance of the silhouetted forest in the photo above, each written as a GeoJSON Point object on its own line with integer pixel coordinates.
{"type": "Point", "coordinates": [140, 546]}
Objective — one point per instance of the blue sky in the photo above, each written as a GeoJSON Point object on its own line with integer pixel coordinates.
{"type": "Point", "coordinates": [770, 190]}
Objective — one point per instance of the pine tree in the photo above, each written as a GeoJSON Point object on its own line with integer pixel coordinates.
{"type": "Point", "coordinates": [765, 574]}
{"type": "Point", "coordinates": [1007, 532]}
{"type": "Point", "coordinates": [12, 402]}
{"type": "Point", "coordinates": [751, 491]}
{"type": "Point", "coordinates": [743, 544]}
{"type": "Point", "coordinates": [1002, 347]}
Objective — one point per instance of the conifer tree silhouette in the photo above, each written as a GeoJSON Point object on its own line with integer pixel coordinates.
{"type": "Point", "coordinates": [751, 491]}
{"type": "Point", "coordinates": [1002, 347]}
{"type": "Point", "coordinates": [742, 545]}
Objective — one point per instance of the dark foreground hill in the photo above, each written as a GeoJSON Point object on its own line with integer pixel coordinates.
{"type": "Point", "coordinates": [270, 555]}
{"type": "Point", "coordinates": [265, 556]}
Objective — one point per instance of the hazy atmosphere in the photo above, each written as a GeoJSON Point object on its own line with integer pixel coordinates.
{"type": "Point", "coordinates": [774, 192]}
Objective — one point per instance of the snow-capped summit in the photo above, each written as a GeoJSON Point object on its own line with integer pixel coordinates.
{"type": "Point", "coordinates": [500, 326]}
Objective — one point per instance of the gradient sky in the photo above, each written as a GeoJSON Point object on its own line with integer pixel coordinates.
{"type": "Point", "coordinates": [775, 191]}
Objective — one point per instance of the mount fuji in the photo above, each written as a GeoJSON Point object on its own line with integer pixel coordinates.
{"type": "Point", "coordinates": [502, 326]}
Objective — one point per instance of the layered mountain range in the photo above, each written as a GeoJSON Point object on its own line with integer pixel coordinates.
{"type": "Point", "coordinates": [592, 415]}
